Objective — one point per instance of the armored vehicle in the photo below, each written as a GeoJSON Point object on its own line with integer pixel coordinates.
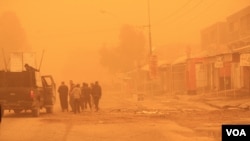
{"type": "Point", "coordinates": [27, 91]}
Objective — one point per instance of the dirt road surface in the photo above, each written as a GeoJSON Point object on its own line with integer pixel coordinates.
{"type": "Point", "coordinates": [161, 118]}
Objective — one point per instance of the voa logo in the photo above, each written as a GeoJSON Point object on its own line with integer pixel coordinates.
{"type": "Point", "coordinates": [236, 132]}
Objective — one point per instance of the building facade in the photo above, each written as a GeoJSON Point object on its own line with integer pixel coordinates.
{"type": "Point", "coordinates": [239, 43]}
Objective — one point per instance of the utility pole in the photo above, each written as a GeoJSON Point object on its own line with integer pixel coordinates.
{"type": "Point", "coordinates": [149, 30]}
{"type": "Point", "coordinates": [150, 48]}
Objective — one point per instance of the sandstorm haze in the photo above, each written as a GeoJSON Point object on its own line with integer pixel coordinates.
{"type": "Point", "coordinates": [72, 33]}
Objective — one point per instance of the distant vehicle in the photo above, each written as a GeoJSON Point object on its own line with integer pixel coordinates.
{"type": "Point", "coordinates": [26, 90]}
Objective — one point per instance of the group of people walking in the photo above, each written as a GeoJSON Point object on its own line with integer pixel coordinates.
{"type": "Point", "coordinates": [79, 97]}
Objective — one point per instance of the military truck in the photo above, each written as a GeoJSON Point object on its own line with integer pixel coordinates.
{"type": "Point", "coordinates": [27, 91]}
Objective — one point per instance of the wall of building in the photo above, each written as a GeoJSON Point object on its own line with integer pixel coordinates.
{"type": "Point", "coordinates": [239, 28]}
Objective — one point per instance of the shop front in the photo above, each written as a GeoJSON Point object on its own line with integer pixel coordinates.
{"type": "Point", "coordinates": [245, 66]}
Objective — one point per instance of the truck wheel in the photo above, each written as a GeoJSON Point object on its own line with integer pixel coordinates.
{"type": "Point", "coordinates": [36, 112]}
{"type": "Point", "coordinates": [49, 109]}
{"type": "Point", "coordinates": [17, 111]}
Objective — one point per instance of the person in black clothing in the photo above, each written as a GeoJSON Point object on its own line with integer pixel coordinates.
{"type": "Point", "coordinates": [31, 71]}
{"type": "Point", "coordinates": [91, 89]}
{"type": "Point", "coordinates": [96, 94]}
{"type": "Point", "coordinates": [63, 91]}
{"type": "Point", "coordinates": [83, 96]}
{"type": "Point", "coordinates": [71, 98]}
{"type": "Point", "coordinates": [30, 68]}
{"type": "Point", "coordinates": [86, 95]}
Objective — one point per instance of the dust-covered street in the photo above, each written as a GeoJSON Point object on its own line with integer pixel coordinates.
{"type": "Point", "coordinates": [152, 70]}
{"type": "Point", "coordinates": [164, 117]}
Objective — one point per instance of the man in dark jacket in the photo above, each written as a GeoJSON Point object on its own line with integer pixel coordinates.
{"type": "Point", "coordinates": [86, 96]}
{"type": "Point", "coordinates": [71, 98]}
{"type": "Point", "coordinates": [96, 94]}
{"type": "Point", "coordinates": [63, 91]}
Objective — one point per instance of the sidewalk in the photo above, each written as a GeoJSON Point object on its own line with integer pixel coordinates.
{"type": "Point", "coordinates": [196, 102]}
{"type": "Point", "coordinates": [229, 102]}
{"type": "Point", "coordinates": [175, 103]}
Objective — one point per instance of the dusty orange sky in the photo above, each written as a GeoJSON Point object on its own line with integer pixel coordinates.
{"type": "Point", "coordinates": [72, 31]}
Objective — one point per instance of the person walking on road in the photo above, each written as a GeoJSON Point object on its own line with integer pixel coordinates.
{"type": "Point", "coordinates": [82, 99]}
{"type": "Point", "coordinates": [63, 91]}
{"type": "Point", "coordinates": [76, 95]}
{"type": "Point", "coordinates": [71, 99]}
{"type": "Point", "coordinates": [96, 94]}
{"type": "Point", "coordinates": [86, 94]}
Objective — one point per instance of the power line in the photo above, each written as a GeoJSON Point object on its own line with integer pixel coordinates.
{"type": "Point", "coordinates": [183, 14]}
{"type": "Point", "coordinates": [175, 12]}
{"type": "Point", "coordinates": [202, 13]}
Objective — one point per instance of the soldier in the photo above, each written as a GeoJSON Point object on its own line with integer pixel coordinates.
{"type": "Point", "coordinates": [63, 91]}
{"type": "Point", "coordinates": [97, 94]}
